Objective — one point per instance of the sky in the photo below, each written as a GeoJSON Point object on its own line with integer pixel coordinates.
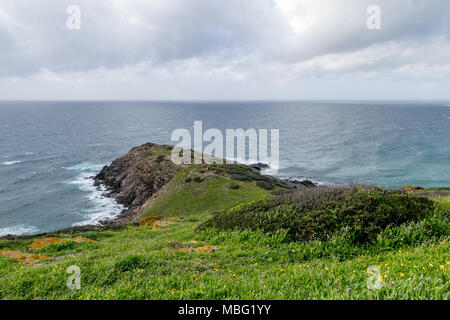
{"type": "Point", "coordinates": [224, 50]}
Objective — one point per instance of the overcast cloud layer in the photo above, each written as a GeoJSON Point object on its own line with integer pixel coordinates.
{"type": "Point", "coordinates": [225, 49]}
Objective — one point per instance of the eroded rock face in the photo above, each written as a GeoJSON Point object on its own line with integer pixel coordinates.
{"type": "Point", "coordinates": [135, 177]}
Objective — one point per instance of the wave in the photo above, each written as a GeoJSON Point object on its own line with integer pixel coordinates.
{"type": "Point", "coordinates": [9, 163]}
{"type": "Point", "coordinates": [18, 230]}
{"type": "Point", "coordinates": [319, 183]}
{"type": "Point", "coordinates": [86, 166]}
{"type": "Point", "coordinates": [271, 169]}
{"type": "Point", "coordinates": [102, 208]}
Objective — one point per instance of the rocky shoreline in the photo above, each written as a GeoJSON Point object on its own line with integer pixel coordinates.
{"type": "Point", "coordinates": [135, 177]}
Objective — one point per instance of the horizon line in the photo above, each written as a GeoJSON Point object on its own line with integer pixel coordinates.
{"type": "Point", "coordinates": [225, 100]}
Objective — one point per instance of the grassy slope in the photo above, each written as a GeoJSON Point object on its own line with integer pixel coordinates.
{"type": "Point", "coordinates": [181, 198]}
{"type": "Point", "coordinates": [434, 192]}
{"type": "Point", "coordinates": [130, 263]}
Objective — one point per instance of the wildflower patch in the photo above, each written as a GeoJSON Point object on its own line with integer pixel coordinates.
{"type": "Point", "coordinates": [155, 222]}
{"type": "Point", "coordinates": [24, 258]}
{"type": "Point", "coordinates": [204, 249]}
{"type": "Point", "coordinates": [149, 221]}
{"type": "Point", "coordinates": [411, 188]}
{"type": "Point", "coordinates": [44, 242]}
{"type": "Point", "coordinates": [159, 223]}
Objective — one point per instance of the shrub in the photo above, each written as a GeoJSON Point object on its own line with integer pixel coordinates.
{"type": "Point", "coordinates": [319, 214]}
{"type": "Point", "coordinates": [264, 185]}
{"type": "Point", "coordinates": [131, 262]}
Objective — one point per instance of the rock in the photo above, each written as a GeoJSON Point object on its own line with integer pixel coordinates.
{"type": "Point", "coordinates": [135, 177]}
{"type": "Point", "coordinates": [259, 166]}
{"type": "Point", "coordinates": [300, 184]}
{"type": "Point", "coordinates": [308, 184]}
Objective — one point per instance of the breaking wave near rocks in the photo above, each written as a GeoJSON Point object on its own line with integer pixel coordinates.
{"type": "Point", "coordinates": [101, 208]}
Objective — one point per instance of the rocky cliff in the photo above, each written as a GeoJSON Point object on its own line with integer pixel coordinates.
{"type": "Point", "coordinates": [136, 177]}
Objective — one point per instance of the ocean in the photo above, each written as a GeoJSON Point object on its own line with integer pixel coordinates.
{"type": "Point", "coordinates": [49, 151]}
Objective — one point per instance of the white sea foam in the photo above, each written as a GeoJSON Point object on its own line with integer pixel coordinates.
{"type": "Point", "coordinates": [9, 163]}
{"type": "Point", "coordinates": [86, 166]}
{"type": "Point", "coordinates": [270, 170]}
{"type": "Point", "coordinates": [319, 183]}
{"type": "Point", "coordinates": [18, 230]}
{"type": "Point", "coordinates": [103, 208]}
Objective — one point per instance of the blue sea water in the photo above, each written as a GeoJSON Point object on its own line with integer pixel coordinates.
{"type": "Point", "coordinates": [50, 150]}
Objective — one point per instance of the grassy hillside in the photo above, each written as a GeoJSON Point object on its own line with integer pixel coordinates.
{"type": "Point", "coordinates": [149, 183]}
{"type": "Point", "coordinates": [228, 232]}
{"type": "Point", "coordinates": [198, 190]}
{"type": "Point", "coordinates": [179, 262]}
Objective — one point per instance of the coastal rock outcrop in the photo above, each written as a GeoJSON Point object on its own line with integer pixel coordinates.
{"type": "Point", "coordinates": [135, 177]}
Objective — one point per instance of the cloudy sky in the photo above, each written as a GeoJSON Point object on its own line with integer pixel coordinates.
{"type": "Point", "coordinates": [224, 50]}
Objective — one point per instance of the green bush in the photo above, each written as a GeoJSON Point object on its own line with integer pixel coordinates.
{"type": "Point", "coordinates": [198, 179]}
{"type": "Point", "coordinates": [361, 213]}
{"type": "Point", "coordinates": [131, 262]}
{"type": "Point", "coordinates": [433, 226]}
{"type": "Point", "coordinates": [264, 185]}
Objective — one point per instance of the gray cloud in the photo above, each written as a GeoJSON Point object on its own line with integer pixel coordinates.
{"type": "Point", "coordinates": [194, 44]}
{"type": "Point", "coordinates": [115, 34]}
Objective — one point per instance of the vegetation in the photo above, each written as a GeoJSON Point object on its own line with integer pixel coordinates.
{"type": "Point", "coordinates": [358, 213]}
{"type": "Point", "coordinates": [227, 232]}
{"type": "Point", "coordinates": [198, 190]}
{"type": "Point", "coordinates": [180, 262]}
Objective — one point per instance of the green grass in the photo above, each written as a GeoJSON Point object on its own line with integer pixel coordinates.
{"type": "Point", "coordinates": [132, 263]}
{"type": "Point", "coordinates": [434, 192]}
{"type": "Point", "coordinates": [213, 193]}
